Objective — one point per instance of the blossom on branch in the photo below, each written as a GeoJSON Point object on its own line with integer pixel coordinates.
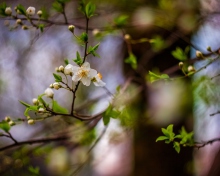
{"type": "Point", "coordinates": [83, 73]}
{"type": "Point", "coordinates": [49, 93]}
{"type": "Point", "coordinates": [97, 80]}
{"type": "Point", "coordinates": [68, 70]}
{"type": "Point", "coordinates": [30, 11]}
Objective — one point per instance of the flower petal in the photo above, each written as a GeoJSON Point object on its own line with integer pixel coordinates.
{"type": "Point", "coordinates": [76, 77]}
{"type": "Point", "coordinates": [99, 83]}
{"type": "Point", "coordinates": [75, 69]}
{"type": "Point", "coordinates": [86, 81]}
{"type": "Point", "coordinates": [92, 73]}
{"type": "Point", "coordinates": [86, 66]}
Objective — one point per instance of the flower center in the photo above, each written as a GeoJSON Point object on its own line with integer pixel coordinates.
{"type": "Point", "coordinates": [83, 73]}
{"type": "Point", "coordinates": [99, 75]}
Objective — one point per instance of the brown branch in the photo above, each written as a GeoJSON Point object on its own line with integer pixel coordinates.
{"type": "Point", "coordinates": [35, 141]}
{"type": "Point", "coordinates": [200, 145]}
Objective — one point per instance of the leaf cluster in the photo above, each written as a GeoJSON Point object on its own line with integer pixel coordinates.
{"type": "Point", "coordinates": [183, 138]}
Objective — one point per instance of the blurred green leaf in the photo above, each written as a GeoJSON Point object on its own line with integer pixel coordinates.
{"type": "Point", "coordinates": [157, 43]}
{"type": "Point", "coordinates": [5, 126]}
{"type": "Point", "coordinates": [121, 21]}
{"type": "Point", "coordinates": [34, 170]}
{"type": "Point", "coordinates": [161, 138]}
{"type": "Point", "coordinates": [132, 60]}
{"type": "Point", "coordinates": [176, 146]}
{"type": "Point", "coordinates": [180, 54]}
{"type": "Point", "coordinates": [57, 77]}
{"type": "Point", "coordinates": [90, 10]}
{"type": "Point", "coordinates": [2, 9]}
{"type": "Point", "coordinates": [154, 77]}
{"type": "Point", "coordinates": [58, 108]}
{"type": "Point", "coordinates": [21, 9]}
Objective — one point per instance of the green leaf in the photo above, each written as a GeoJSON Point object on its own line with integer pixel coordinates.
{"type": "Point", "coordinates": [88, 137]}
{"type": "Point", "coordinates": [84, 37]}
{"type": "Point", "coordinates": [180, 54]}
{"type": "Point", "coordinates": [154, 77]}
{"type": "Point", "coordinates": [40, 99]}
{"type": "Point", "coordinates": [165, 132]}
{"type": "Point", "coordinates": [45, 15]}
{"type": "Point", "coordinates": [121, 21]}
{"type": "Point", "coordinates": [176, 146]}
{"type": "Point", "coordinates": [90, 10]}
{"type": "Point", "coordinates": [41, 27]}
{"type": "Point", "coordinates": [5, 126]}
{"type": "Point", "coordinates": [2, 9]}
{"type": "Point", "coordinates": [106, 119]}
{"type": "Point", "coordinates": [34, 170]}
{"type": "Point", "coordinates": [58, 108]}
{"type": "Point", "coordinates": [58, 78]}
{"type": "Point", "coordinates": [57, 6]}
{"type": "Point", "coordinates": [66, 61]}
{"type": "Point", "coordinates": [170, 128]}
{"type": "Point", "coordinates": [25, 104]}
{"type": "Point", "coordinates": [157, 43]}
{"type": "Point", "coordinates": [21, 9]}
{"type": "Point", "coordinates": [132, 60]}
{"type": "Point", "coordinates": [161, 138]}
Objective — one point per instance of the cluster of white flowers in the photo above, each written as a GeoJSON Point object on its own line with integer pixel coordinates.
{"type": "Point", "coordinates": [84, 74]}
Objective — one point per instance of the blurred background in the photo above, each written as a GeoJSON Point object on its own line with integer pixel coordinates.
{"type": "Point", "coordinates": [127, 145]}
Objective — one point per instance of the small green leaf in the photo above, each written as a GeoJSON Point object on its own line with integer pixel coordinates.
{"type": "Point", "coordinates": [121, 21]}
{"type": "Point", "coordinates": [41, 27]}
{"type": "Point", "coordinates": [157, 43]}
{"type": "Point", "coordinates": [5, 126]}
{"type": "Point", "coordinates": [132, 60]}
{"type": "Point", "coordinates": [25, 104]}
{"type": "Point", "coordinates": [2, 9]}
{"type": "Point", "coordinates": [58, 78]}
{"type": "Point", "coordinates": [161, 138]}
{"type": "Point", "coordinates": [170, 128]}
{"type": "Point", "coordinates": [59, 109]}
{"type": "Point", "coordinates": [57, 6]}
{"type": "Point", "coordinates": [90, 10]}
{"type": "Point", "coordinates": [176, 146]}
{"type": "Point", "coordinates": [180, 54]}
{"type": "Point", "coordinates": [21, 9]}
{"type": "Point", "coordinates": [165, 132]}
{"type": "Point", "coordinates": [66, 61]}
{"type": "Point", "coordinates": [34, 170]}
{"type": "Point", "coordinates": [106, 119]}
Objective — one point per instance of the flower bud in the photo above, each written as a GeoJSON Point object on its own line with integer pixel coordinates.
{"type": "Point", "coordinates": [71, 28]}
{"type": "Point", "coordinates": [191, 69]}
{"type": "Point", "coordinates": [31, 121]}
{"type": "Point", "coordinates": [7, 119]}
{"type": "Point", "coordinates": [41, 110]}
{"type": "Point", "coordinates": [18, 21]}
{"type": "Point", "coordinates": [11, 123]}
{"type": "Point", "coordinates": [95, 32]}
{"type": "Point", "coordinates": [35, 101]}
{"type": "Point", "coordinates": [56, 85]}
{"type": "Point", "coordinates": [24, 27]}
{"type": "Point", "coordinates": [49, 93]}
{"type": "Point", "coordinates": [127, 37]}
{"type": "Point", "coordinates": [61, 68]}
{"type": "Point", "coordinates": [209, 49]}
{"type": "Point", "coordinates": [68, 70]}
{"type": "Point", "coordinates": [30, 11]}
{"type": "Point", "coordinates": [39, 13]}
{"type": "Point", "coordinates": [51, 85]}
{"type": "Point", "coordinates": [28, 117]}
{"type": "Point", "coordinates": [199, 54]}
{"type": "Point", "coordinates": [8, 11]}
{"type": "Point", "coordinates": [181, 64]}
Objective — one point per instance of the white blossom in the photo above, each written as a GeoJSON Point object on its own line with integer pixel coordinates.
{"type": "Point", "coordinates": [41, 110]}
{"type": "Point", "coordinates": [68, 70]}
{"type": "Point", "coordinates": [56, 85]}
{"type": "Point", "coordinates": [61, 68]}
{"type": "Point", "coordinates": [31, 121]}
{"type": "Point", "coordinates": [39, 13]}
{"type": "Point", "coordinates": [83, 73]}
{"type": "Point", "coordinates": [8, 11]}
{"type": "Point", "coordinates": [35, 101]}
{"type": "Point", "coordinates": [97, 80]}
{"type": "Point", "coordinates": [30, 11]}
{"type": "Point", "coordinates": [49, 92]}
